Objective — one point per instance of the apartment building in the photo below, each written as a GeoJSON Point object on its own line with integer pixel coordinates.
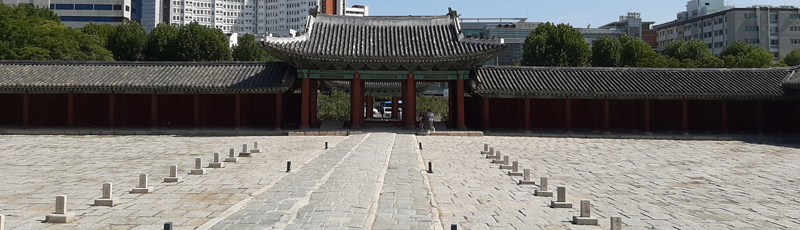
{"type": "Point", "coordinates": [775, 28]}
{"type": "Point", "coordinates": [77, 13]}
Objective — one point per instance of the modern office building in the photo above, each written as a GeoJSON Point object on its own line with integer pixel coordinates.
{"type": "Point", "coordinates": [632, 25]}
{"type": "Point", "coordinates": [357, 10]}
{"type": "Point", "coordinates": [775, 28]}
{"type": "Point", "coordinates": [77, 13]}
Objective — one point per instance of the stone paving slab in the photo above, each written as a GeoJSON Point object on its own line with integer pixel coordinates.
{"type": "Point", "coordinates": [651, 184]}
{"type": "Point", "coordinates": [38, 168]}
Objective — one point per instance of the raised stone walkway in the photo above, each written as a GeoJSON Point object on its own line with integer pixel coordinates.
{"type": "Point", "coordinates": [341, 189]}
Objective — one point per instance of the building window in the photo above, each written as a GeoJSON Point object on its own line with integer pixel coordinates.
{"type": "Point", "coordinates": [794, 16]}
{"type": "Point", "coordinates": [773, 17]}
{"type": "Point", "coordinates": [103, 7]}
{"type": "Point", "coordinates": [117, 7]}
{"type": "Point", "coordinates": [65, 6]}
{"type": "Point", "coordinates": [794, 28]}
{"type": "Point", "coordinates": [84, 6]}
{"type": "Point", "coordinates": [750, 15]}
{"type": "Point", "coordinates": [773, 42]}
{"type": "Point", "coordinates": [794, 41]}
{"type": "Point", "coordinates": [751, 28]}
{"type": "Point", "coordinates": [709, 45]}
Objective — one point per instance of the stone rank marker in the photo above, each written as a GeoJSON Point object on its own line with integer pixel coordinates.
{"type": "Point", "coordinates": [217, 164]}
{"type": "Point", "coordinates": [60, 215]}
{"type": "Point", "coordinates": [497, 155]}
{"type": "Point", "coordinates": [616, 223]}
{"type": "Point", "coordinates": [198, 167]}
{"type": "Point", "coordinates": [561, 200]}
{"type": "Point", "coordinates": [232, 156]}
{"type": "Point", "coordinates": [503, 162]}
{"type": "Point", "coordinates": [526, 177]}
{"type": "Point", "coordinates": [255, 148]}
{"type": "Point", "coordinates": [488, 153]}
{"type": "Point", "coordinates": [142, 187]}
{"type": "Point", "coordinates": [173, 175]}
{"type": "Point", "coordinates": [485, 149]}
{"type": "Point", "coordinates": [515, 169]}
{"type": "Point", "coordinates": [244, 152]}
{"type": "Point", "coordinates": [2, 222]}
{"type": "Point", "coordinates": [107, 199]}
{"type": "Point", "coordinates": [543, 192]}
{"type": "Point", "coordinates": [585, 218]}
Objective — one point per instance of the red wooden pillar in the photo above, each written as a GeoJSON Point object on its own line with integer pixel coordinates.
{"type": "Point", "coordinates": [569, 114]}
{"type": "Point", "coordinates": [369, 106]}
{"type": "Point", "coordinates": [395, 105]}
{"type": "Point", "coordinates": [460, 104]}
{"type": "Point", "coordinates": [685, 110]}
{"type": "Point", "coordinates": [527, 114]}
{"type": "Point", "coordinates": [485, 113]}
{"type": "Point", "coordinates": [760, 117]}
{"type": "Point", "coordinates": [238, 110]}
{"type": "Point", "coordinates": [197, 109]}
{"type": "Point", "coordinates": [725, 116]}
{"type": "Point", "coordinates": [25, 114]}
{"type": "Point", "coordinates": [278, 110]}
{"type": "Point", "coordinates": [410, 105]}
{"type": "Point", "coordinates": [70, 109]}
{"type": "Point", "coordinates": [154, 110]}
{"type": "Point", "coordinates": [304, 105]}
{"type": "Point", "coordinates": [111, 109]}
{"type": "Point", "coordinates": [362, 100]}
{"type": "Point", "coordinates": [451, 104]}
{"type": "Point", "coordinates": [357, 105]}
{"type": "Point", "coordinates": [647, 116]}
{"type": "Point", "coordinates": [606, 115]}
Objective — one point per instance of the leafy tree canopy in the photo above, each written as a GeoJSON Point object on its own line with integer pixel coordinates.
{"type": "Point", "coordinates": [127, 41]}
{"type": "Point", "coordinates": [199, 43]}
{"type": "Point", "coordinates": [249, 50]}
{"type": "Point", "coordinates": [555, 45]}
{"type": "Point", "coordinates": [161, 43]}
{"type": "Point", "coordinates": [692, 50]}
{"type": "Point", "coordinates": [101, 31]}
{"type": "Point", "coordinates": [606, 52]}
{"type": "Point", "coordinates": [743, 55]}
{"type": "Point", "coordinates": [792, 59]}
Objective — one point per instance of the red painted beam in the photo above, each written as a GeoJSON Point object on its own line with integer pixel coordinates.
{"type": "Point", "coordinates": [369, 106]}
{"type": "Point", "coordinates": [460, 118]}
{"type": "Point", "coordinates": [356, 103]}
{"type": "Point", "coordinates": [395, 105]}
{"type": "Point", "coordinates": [111, 105]}
{"type": "Point", "coordinates": [70, 109]}
{"type": "Point", "coordinates": [410, 110]}
{"type": "Point", "coordinates": [25, 108]}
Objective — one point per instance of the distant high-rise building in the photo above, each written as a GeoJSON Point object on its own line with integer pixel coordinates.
{"type": "Point", "coordinates": [357, 10]}
{"type": "Point", "coordinates": [77, 13]}
{"type": "Point", "coordinates": [775, 28]}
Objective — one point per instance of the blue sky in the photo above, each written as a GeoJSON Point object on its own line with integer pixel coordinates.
{"type": "Point", "coordinates": [578, 13]}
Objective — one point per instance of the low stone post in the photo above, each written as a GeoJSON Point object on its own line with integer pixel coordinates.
{"type": "Point", "coordinates": [232, 157]}
{"type": "Point", "coordinates": [543, 192]}
{"type": "Point", "coordinates": [288, 166]}
{"type": "Point", "coordinates": [244, 152]}
{"type": "Point", "coordinates": [502, 162]}
{"type": "Point", "coordinates": [198, 167]}
{"type": "Point", "coordinates": [515, 169]}
{"type": "Point", "coordinates": [142, 188]}
{"type": "Point", "coordinates": [173, 175]}
{"type": "Point", "coordinates": [168, 226]}
{"type": "Point", "coordinates": [430, 167]}
{"type": "Point", "coordinates": [60, 215]}
{"type": "Point", "coordinates": [326, 145]}
{"type": "Point", "coordinates": [526, 177]}
{"type": "Point", "coordinates": [107, 199]}
{"type": "Point", "coordinates": [489, 153]}
{"type": "Point", "coordinates": [497, 155]}
{"type": "Point", "coordinates": [561, 199]}
{"type": "Point", "coordinates": [2, 222]}
{"type": "Point", "coordinates": [255, 148]}
{"type": "Point", "coordinates": [616, 223]}
{"type": "Point", "coordinates": [217, 163]}
{"type": "Point", "coordinates": [585, 218]}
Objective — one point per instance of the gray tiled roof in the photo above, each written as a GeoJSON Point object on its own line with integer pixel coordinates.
{"type": "Point", "coordinates": [416, 39]}
{"type": "Point", "coordinates": [630, 82]}
{"type": "Point", "coordinates": [141, 76]}
{"type": "Point", "coordinates": [793, 81]}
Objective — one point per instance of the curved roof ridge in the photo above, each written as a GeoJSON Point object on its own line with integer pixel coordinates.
{"type": "Point", "coordinates": [385, 20]}
{"type": "Point", "coordinates": [647, 69]}
{"type": "Point", "coordinates": [136, 63]}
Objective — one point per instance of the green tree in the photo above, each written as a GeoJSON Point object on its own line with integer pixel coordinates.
{"type": "Point", "coordinates": [31, 33]}
{"type": "Point", "coordinates": [634, 50]}
{"type": "Point", "coordinates": [161, 43]}
{"type": "Point", "coordinates": [606, 52]}
{"type": "Point", "coordinates": [199, 43]}
{"type": "Point", "coordinates": [692, 50]}
{"type": "Point", "coordinates": [101, 31]}
{"type": "Point", "coordinates": [555, 45]}
{"type": "Point", "coordinates": [743, 55]}
{"type": "Point", "coordinates": [334, 107]}
{"type": "Point", "coordinates": [793, 58]}
{"type": "Point", "coordinates": [438, 106]}
{"type": "Point", "coordinates": [127, 41]}
{"type": "Point", "coordinates": [249, 50]}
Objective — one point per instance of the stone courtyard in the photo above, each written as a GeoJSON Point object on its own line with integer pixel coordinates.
{"type": "Point", "coordinates": [379, 181]}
